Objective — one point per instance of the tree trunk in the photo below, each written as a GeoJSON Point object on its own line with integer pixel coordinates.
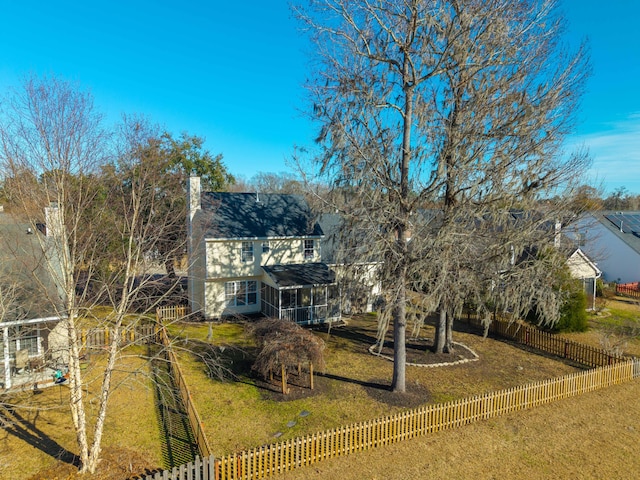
{"type": "Point", "coordinates": [76, 401]}
{"type": "Point", "coordinates": [398, 383]}
{"type": "Point", "coordinates": [441, 334]}
{"type": "Point", "coordinates": [105, 393]}
{"type": "Point", "coordinates": [448, 345]}
{"type": "Point", "coordinates": [285, 390]}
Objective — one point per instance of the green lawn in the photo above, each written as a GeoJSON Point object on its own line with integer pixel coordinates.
{"type": "Point", "coordinates": [616, 326]}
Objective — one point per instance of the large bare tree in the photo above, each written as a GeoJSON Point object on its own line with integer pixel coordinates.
{"type": "Point", "coordinates": [103, 216]}
{"type": "Point", "coordinates": [440, 120]}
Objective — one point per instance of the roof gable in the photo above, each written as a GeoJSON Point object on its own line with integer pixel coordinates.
{"type": "Point", "coordinates": [228, 215]}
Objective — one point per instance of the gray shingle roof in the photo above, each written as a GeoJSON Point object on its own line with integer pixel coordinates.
{"type": "Point", "coordinates": [28, 287]}
{"type": "Point", "coordinates": [300, 275]}
{"type": "Point", "coordinates": [230, 215]}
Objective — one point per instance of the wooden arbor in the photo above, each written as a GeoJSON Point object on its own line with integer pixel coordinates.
{"type": "Point", "coordinates": [284, 346]}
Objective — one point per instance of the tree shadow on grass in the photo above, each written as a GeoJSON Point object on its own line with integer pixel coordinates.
{"type": "Point", "coordinates": [362, 383]}
{"type": "Point", "coordinates": [15, 424]}
{"type": "Point", "coordinates": [223, 362]}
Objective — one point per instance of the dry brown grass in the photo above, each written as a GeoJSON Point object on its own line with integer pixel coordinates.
{"type": "Point", "coordinates": [590, 436]}
{"type": "Point", "coordinates": [595, 435]}
{"type": "Point", "coordinates": [355, 387]}
{"type": "Point", "coordinates": [38, 436]}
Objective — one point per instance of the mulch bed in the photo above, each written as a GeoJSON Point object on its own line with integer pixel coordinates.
{"type": "Point", "coordinates": [419, 351]}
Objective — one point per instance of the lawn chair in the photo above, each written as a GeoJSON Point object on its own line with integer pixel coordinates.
{"type": "Point", "coordinates": [22, 360]}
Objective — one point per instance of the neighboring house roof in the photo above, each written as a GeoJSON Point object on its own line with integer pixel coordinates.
{"type": "Point", "coordinates": [340, 247]}
{"type": "Point", "coordinates": [28, 289]}
{"type": "Point", "coordinates": [300, 275]}
{"type": "Point", "coordinates": [624, 225]}
{"type": "Point", "coordinates": [226, 215]}
{"type": "Point", "coordinates": [330, 223]}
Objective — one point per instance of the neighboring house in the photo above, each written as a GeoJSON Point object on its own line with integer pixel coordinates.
{"type": "Point", "coordinates": [252, 253]}
{"type": "Point", "coordinates": [32, 327]}
{"type": "Point", "coordinates": [582, 268]}
{"type": "Point", "coordinates": [612, 241]}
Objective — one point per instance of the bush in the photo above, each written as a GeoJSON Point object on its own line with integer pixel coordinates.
{"type": "Point", "coordinates": [573, 314]}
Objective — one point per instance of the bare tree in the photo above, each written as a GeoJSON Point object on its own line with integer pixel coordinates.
{"type": "Point", "coordinates": [439, 119]}
{"type": "Point", "coordinates": [56, 152]}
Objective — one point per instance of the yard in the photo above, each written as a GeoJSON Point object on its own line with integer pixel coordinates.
{"type": "Point", "coordinates": [37, 437]}
{"type": "Point", "coordinates": [244, 411]}
{"type": "Point", "coordinates": [354, 386]}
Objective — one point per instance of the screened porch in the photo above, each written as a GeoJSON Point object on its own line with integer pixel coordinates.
{"type": "Point", "coordinates": [306, 294]}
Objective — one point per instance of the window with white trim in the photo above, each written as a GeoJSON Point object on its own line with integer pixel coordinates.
{"type": "Point", "coordinates": [247, 251]}
{"type": "Point", "coordinates": [309, 248]}
{"type": "Point", "coordinates": [265, 247]}
{"type": "Point", "coordinates": [240, 293]}
{"type": "Point", "coordinates": [23, 337]}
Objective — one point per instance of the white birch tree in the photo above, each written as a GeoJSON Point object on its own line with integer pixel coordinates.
{"type": "Point", "coordinates": [56, 152]}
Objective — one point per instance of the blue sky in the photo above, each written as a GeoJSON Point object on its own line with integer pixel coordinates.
{"type": "Point", "coordinates": [232, 72]}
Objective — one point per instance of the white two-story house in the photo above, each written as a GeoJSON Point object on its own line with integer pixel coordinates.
{"type": "Point", "coordinates": [251, 253]}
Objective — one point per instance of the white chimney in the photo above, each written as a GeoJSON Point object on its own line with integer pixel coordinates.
{"type": "Point", "coordinates": [54, 226]}
{"type": "Point", "coordinates": [193, 196]}
{"type": "Point", "coordinates": [556, 240]}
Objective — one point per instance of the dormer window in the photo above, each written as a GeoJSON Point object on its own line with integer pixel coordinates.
{"type": "Point", "coordinates": [309, 249]}
{"type": "Point", "coordinates": [247, 251]}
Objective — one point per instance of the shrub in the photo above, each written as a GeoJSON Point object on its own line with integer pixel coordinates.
{"type": "Point", "coordinates": [573, 313]}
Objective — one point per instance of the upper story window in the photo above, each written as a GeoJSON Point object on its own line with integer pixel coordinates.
{"type": "Point", "coordinates": [247, 251]}
{"type": "Point", "coordinates": [265, 247]}
{"type": "Point", "coordinates": [309, 248]}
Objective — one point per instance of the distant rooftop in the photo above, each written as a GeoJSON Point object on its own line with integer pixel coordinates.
{"type": "Point", "coordinates": [24, 272]}
{"type": "Point", "coordinates": [624, 224]}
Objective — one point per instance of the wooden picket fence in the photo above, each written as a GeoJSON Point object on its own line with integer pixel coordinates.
{"type": "Point", "coordinates": [100, 338]}
{"type": "Point", "coordinates": [553, 344]}
{"type": "Point", "coordinates": [283, 456]}
{"type": "Point", "coordinates": [194, 419]}
{"type": "Point", "coordinates": [172, 312]}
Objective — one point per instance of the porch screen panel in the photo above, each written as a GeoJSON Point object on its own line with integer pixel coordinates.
{"type": "Point", "coordinates": [320, 296]}
{"type": "Point", "coordinates": [269, 301]}
{"type": "Point", "coordinates": [289, 299]}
